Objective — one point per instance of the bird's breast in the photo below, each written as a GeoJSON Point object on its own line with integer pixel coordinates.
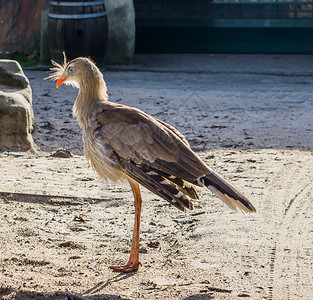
{"type": "Point", "coordinates": [99, 155]}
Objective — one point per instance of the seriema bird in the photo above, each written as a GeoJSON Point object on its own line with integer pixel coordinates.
{"type": "Point", "coordinates": [125, 143]}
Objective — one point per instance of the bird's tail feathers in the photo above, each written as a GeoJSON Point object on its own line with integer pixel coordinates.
{"type": "Point", "coordinates": [227, 193]}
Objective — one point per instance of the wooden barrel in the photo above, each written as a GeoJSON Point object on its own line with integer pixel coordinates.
{"type": "Point", "coordinates": [79, 28]}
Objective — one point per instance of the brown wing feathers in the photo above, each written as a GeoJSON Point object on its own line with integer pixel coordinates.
{"type": "Point", "coordinates": [157, 156]}
{"type": "Point", "coordinates": [154, 182]}
{"type": "Point", "coordinates": [181, 184]}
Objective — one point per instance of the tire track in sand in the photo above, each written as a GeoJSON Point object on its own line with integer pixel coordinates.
{"type": "Point", "coordinates": [291, 254]}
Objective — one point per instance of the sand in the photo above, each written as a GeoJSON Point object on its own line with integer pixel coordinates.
{"type": "Point", "coordinates": [62, 227]}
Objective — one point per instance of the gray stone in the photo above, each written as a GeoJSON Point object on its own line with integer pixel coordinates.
{"type": "Point", "coordinates": [45, 56]}
{"type": "Point", "coordinates": [121, 37]}
{"type": "Point", "coordinates": [17, 122]}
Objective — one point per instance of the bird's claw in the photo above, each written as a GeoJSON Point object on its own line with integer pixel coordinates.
{"type": "Point", "coordinates": [126, 268]}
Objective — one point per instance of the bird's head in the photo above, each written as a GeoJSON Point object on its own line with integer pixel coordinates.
{"type": "Point", "coordinates": [78, 72]}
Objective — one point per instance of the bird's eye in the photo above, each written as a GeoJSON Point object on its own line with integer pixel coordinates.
{"type": "Point", "coordinates": [71, 70]}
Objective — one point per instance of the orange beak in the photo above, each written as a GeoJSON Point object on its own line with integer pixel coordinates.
{"type": "Point", "coordinates": [60, 81]}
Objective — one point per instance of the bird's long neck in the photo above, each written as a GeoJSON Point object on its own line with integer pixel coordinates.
{"type": "Point", "coordinates": [92, 91]}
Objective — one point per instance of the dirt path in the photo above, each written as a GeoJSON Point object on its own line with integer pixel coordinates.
{"type": "Point", "coordinates": [207, 253]}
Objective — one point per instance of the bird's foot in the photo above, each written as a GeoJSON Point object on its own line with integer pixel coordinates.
{"type": "Point", "coordinates": [130, 267]}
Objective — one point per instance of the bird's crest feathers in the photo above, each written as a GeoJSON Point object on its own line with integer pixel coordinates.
{"type": "Point", "coordinates": [58, 69]}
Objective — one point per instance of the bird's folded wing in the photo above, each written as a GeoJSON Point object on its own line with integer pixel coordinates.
{"type": "Point", "coordinates": [159, 157]}
{"type": "Point", "coordinates": [144, 140]}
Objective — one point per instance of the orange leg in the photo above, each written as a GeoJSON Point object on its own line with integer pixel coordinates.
{"type": "Point", "coordinates": [133, 262]}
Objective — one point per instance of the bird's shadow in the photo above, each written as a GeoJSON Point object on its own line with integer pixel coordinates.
{"type": "Point", "coordinates": [101, 285]}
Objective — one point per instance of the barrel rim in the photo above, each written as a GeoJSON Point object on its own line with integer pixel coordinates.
{"type": "Point", "coordinates": [62, 3]}
{"type": "Point", "coordinates": [77, 17]}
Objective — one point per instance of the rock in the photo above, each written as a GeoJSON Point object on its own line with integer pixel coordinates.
{"type": "Point", "coordinates": [17, 124]}
{"type": "Point", "coordinates": [64, 153]}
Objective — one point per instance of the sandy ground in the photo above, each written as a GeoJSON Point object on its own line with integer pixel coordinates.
{"type": "Point", "coordinates": [61, 227]}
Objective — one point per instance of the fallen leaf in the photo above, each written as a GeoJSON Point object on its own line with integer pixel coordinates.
{"type": "Point", "coordinates": [153, 244]}
{"type": "Point", "coordinates": [79, 219]}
